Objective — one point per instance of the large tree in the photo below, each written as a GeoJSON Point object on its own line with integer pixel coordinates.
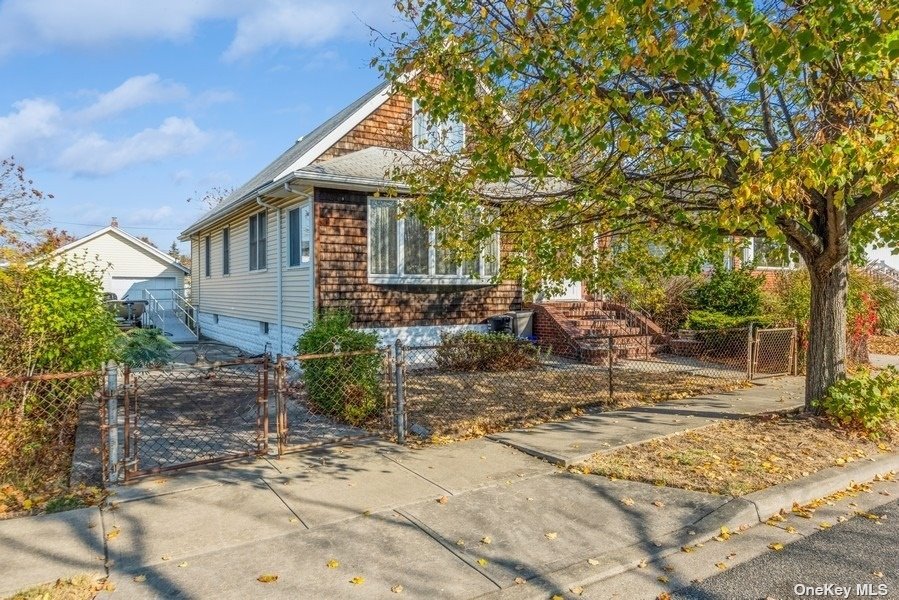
{"type": "Point", "coordinates": [21, 209]}
{"type": "Point", "coordinates": [680, 122]}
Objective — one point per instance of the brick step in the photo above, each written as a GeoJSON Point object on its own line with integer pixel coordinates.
{"type": "Point", "coordinates": [588, 323]}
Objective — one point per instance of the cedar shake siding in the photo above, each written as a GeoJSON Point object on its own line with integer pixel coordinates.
{"type": "Point", "coordinates": [341, 273]}
{"type": "Point", "coordinates": [389, 126]}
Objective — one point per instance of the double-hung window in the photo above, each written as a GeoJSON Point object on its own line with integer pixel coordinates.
{"type": "Point", "coordinates": [405, 251]}
{"type": "Point", "coordinates": [258, 235]}
{"type": "Point", "coordinates": [767, 253]}
{"type": "Point", "coordinates": [429, 135]}
{"type": "Point", "coordinates": [226, 251]}
{"type": "Point", "coordinates": [207, 256]}
{"type": "Point", "coordinates": [299, 236]}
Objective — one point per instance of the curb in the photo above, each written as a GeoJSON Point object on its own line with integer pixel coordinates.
{"type": "Point", "coordinates": [752, 509]}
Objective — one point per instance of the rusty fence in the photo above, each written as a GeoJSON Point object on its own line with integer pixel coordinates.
{"type": "Point", "coordinates": [332, 397]}
{"type": "Point", "coordinates": [183, 416]}
{"type": "Point", "coordinates": [39, 420]}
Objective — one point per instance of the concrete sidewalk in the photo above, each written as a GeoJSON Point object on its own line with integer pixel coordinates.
{"type": "Point", "coordinates": [454, 521]}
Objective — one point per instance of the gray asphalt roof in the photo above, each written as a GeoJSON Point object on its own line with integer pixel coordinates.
{"type": "Point", "coordinates": [288, 157]}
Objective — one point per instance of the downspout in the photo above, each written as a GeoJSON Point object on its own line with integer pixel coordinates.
{"type": "Point", "coordinates": [278, 272]}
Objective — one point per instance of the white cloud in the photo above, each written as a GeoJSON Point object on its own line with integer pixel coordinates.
{"type": "Point", "coordinates": [210, 97]}
{"type": "Point", "coordinates": [134, 92]}
{"type": "Point", "coordinates": [44, 25]}
{"type": "Point", "coordinates": [31, 121]}
{"type": "Point", "coordinates": [144, 217]}
{"type": "Point", "coordinates": [94, 154]}
{"type": "Point", "coordinates": [304, 24]}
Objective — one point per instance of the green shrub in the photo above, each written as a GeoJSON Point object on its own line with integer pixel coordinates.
{"type": "Point", "coordinates": [476, 351]}
{"type": "Point", "coordinates": [711, 320]}
{"type": "Point", "coordinates": [734, 292]}
{"type": "Point", "coordinates": [865, 403]}
{"type": "Point", "coordinates": [346, 387]}
{"type": "Point", "coordinates": [144, 348]}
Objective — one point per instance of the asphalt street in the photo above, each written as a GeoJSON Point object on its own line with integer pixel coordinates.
{"type": "Point", "coordinates": [858, 558]}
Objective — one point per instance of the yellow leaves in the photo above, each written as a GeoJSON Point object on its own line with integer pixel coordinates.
{"type": "Point", "coordinates": [687, 549]}
{"type": "Point", "coordinates": [486, 540]}
{"type": "Point", "coordinates": [777, 547]}
{"type": "Point", "coordinates": [267, 578]}
{"type": "Point", "coordinates": [551, 535]}
{"type": "Point", "coordinates": [442, 500]}
{"type": "Point", "coordinates": [824, 525]}
{"type": "Point", "coordinates": [139, 578]}
{"type": "Point", "coordinates": [182, 565]}
{"type": "Point", "coordinates": [482, 562]}
{"type": "Point", "coordinates": [592, 561]}
{"type": "Point", "coordinates": [113, 533]}
{"type": "Point", "coordinates": [576, 590]}
{"type": "Point", "coordinates": [397, 589]}
{"type": "Point", "coordinates": [723, 535]}
{"type": "Point", "coordinates": [662, 579]}
{"type": "Point", "coordinates": [627, 501]}
{"type": "Point", "coordinates": [721, 566]}
{"type": "Point", "coordinates": [743, 145]}
{"type": "Point", "coordinates": [357, 580]}
{"type": "Point", "coordinates": [332, 564]}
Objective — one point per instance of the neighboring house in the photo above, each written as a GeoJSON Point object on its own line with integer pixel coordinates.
{"type": "Point", "coordinates": [313, 231]}
{"type": "Point", "coordinates": [132, 268]}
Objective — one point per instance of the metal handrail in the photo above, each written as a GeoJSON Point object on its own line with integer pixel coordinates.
{"type": "Point", "coordinates": [187, 310]}
{"type": "Point", "coordinates": [154, 307]}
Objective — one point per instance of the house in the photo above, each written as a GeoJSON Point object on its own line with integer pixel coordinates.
{"type": "Point", "coordinates": [314, 231]}
{"type": "Point", "coordinates": [134, 270]}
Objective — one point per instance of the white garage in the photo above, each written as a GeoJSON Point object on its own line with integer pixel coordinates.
{"type": "Point", "coordinates": [129, 265]}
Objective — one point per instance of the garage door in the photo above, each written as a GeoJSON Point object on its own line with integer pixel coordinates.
{"type": "Point", "coordinates": [132, 288]}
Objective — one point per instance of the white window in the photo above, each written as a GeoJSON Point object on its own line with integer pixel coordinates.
{"type": "Point", "coordinates": [770, 254]}
{"type": "Point", "coordinates": [436, 136]}
{"type": "Point", "coordinates": [405, 251]}
{"type": "Point", "coordinates": [258, 235]}
{"type": "Point", "coordinates": [299, 236]}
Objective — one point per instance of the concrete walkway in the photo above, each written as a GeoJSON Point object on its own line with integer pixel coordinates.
{"type": "Point", "coordinates": [455, 521]}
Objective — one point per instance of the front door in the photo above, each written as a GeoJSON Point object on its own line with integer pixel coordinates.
{"type": "Point", "coordinates": [573, 291]}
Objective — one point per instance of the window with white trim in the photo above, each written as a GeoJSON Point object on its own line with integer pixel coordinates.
{"type": "Point", "coordinates": [207, 256]}
{"type": "Point", "coordinates": [299, 236]}
{"type": "Point", "coordinates": [405, 251]}
{"type": "Point", "coordinates": [226, 251]}
{"type": "Point", "coordinates": [258, 235]}
{"type": "Point", "coordinates": [771, 254]}
{"type": "Point", "coordinates": [447, 137]}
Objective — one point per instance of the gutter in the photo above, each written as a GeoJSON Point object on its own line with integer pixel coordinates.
{"type": "Point", "coordinates": [279, 275]}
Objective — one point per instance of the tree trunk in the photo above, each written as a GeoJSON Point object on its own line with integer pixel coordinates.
{"type": "Point", "coordinates": [826, 359]}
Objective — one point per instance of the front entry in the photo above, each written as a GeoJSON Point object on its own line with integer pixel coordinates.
{"type": "Point", "coordinates": [573, 291]}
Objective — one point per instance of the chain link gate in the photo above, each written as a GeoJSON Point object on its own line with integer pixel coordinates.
{"type": "Point", "coordinates": [774, 352]}
{"type": "Point", "coordinates": [333, 397]}
{"type": "Point", "coordinates": [188, 416]}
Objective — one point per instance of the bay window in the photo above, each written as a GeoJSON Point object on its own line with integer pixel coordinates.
{"type": "Point", "coordinates": [405, 251]}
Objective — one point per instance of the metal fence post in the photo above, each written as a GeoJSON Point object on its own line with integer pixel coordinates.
{"type": "Point", "coordinates": [610, 359]}
{"type": "Point", "coordinates": [281, 409]}
{"type": "Point", "coordinates": [399, 382]}
{"type": "Point", "coordinates": [112, 421]}
{"type": "Point", "coordinates": [750, 342]}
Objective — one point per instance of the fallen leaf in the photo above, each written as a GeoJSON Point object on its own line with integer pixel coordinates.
{"type": "Point", "coordinates": [140, 578]}
{"type": "Point", "coordinates": [557, 597]}
{"type": "Point", "coordinates": [642, 564]}
{"type": "Point", "coordinates": [293, 520]}
{"type": "Point", "coordinates": [593, 561]}
{"type": "Point", "coordinates": [721, 565]}
{"type": "Point", "coordinates": [627, 501]}
{"type": "Point", "coordinates": [687, 548]}
{"type": "Point", "coordinates": [182, 565]}
{"type": "Point", "coordinates": [357, 580]}
{"type": "Point", "coordinates": [824, 525]}
{"type": "Point", "coordinates": [166, 557]}
{"type": "Point", "coordinates": [662, 579]}
{"type": "Point", "coordinates": [877, 573]}
{"type": "Point", "coordinates": [482, 562]}
{"type": "Point", "coordinates": [332, 564]}
{"type": "Point", "coordinates": [442, 500]}
{"type": "Point", "coordinates": [397, 589]}
{"type": "Point", "coordinates": [113, 534]}
{"type": "Point", "coordinates": [664, 596]}
{"type": "Point", "coordinates": [551, 535]}
{"type": "Point", "coordinates": [519, 580]}
{"type": "Point", "coordinates": [777, 547]}
{"type": "Point", "coordinates": [486, 539]}
{"type": "Point", "coordinates": [267, 578]}
{"type": "Point", "coordinates": [576, 590]}
{"type": "Point", "coordinates": [460, 542]}
{"type": "Point", "coordinates": [658, 503]}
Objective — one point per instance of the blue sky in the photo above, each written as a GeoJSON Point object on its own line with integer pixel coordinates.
{"type": "Point", "coordinates": [126, 107]}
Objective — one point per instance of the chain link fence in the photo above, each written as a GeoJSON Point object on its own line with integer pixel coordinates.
{"type": "Point", "coordinates": [39, 418]}
{"type": "Point", "coordinates": [182, 416]}
{"type": "Point", "coordinates": [333, 397]}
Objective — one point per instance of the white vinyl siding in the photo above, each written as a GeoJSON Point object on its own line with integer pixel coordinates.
{"type": "Point", "coordinates": [121, 259]}
{"type": "Point", "coordinates": [252, 295]}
